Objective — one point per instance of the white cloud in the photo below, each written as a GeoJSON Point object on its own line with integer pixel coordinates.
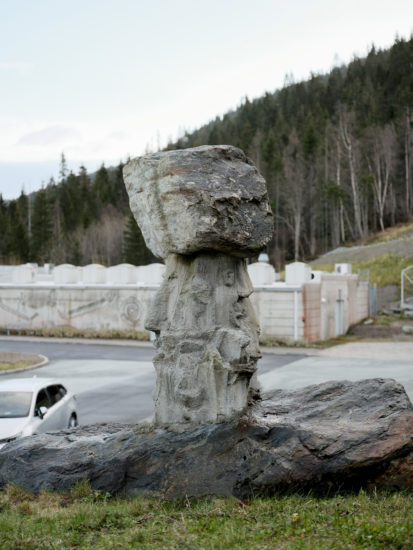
{"type": "Point", "coordinates": [52, 135]}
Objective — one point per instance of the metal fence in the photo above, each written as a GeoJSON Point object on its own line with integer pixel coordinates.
{"type": "Point", "coordinates": [406, 297]}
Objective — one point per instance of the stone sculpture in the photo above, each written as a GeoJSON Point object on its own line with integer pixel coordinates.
{"type": "Point", "coordinates": [204, 210]}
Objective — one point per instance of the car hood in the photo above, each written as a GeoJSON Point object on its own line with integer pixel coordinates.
{"type": "Point", "coordinates": [11, 427]}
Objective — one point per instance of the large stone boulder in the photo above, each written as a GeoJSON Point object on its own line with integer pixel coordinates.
{"type": "Point", "coordinates": [330, 436]}
{"type": "Point", "coordinates": [200, 199]}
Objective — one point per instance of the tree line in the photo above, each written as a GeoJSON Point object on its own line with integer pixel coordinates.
{"type": "Point", "coordinates": [335, 150]}
{"type": "Point", "coordinates": [80, 219]}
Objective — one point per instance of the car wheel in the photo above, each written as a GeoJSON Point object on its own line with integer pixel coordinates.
{"type": "Point", "coordinates": [73, 422]}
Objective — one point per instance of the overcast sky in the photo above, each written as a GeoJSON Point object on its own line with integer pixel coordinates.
{"type": "Point", "coordinates": [104, 79]}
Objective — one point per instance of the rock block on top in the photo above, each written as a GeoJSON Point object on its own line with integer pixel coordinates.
{"type": "Point", "coordinates": [209, 198]}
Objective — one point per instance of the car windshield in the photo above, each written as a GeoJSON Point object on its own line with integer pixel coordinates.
{"type": "Point", "coordinates": [15, 404]}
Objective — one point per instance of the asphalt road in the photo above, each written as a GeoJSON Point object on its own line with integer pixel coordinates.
{"type": "Point", "coordinates": [112, 383]}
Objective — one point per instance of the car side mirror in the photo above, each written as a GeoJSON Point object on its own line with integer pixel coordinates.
{"type": "Point", "coordinates": [40, 412]}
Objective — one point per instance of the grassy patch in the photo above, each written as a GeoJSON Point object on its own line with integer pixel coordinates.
{"type": "Point", "coordinates": [277, 341]}
{"type": "Point", "coordinates": [70, 332]}
{"type": "Point", "coordinates": [18, 365]}
{"type": "Point", "coordinates": [384, 270]}
{"type": "Point", "coordinates": [399, 231]}
{"type": "Point", "coordinates": [10, 360]}
{"type": "Point", "coordinates": [387, 320]}
{"type": "Point", "coordinates": [89, 519]}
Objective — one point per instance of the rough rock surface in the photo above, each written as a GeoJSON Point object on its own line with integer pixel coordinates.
{"type": "Point", "coordinates": [207, 340]}
{"type": "Point", "coordinates": [203, 209]}
{"type": "Point", "coordinates": [325, 437]}
{"type": "Point", "coordinates": [200, 199]}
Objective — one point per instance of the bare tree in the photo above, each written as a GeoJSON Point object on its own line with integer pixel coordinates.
{"type": "Point", "coordinates": [351, 147]}
{"type": "Point", "coordinates": [102, 240]}
{"type": "Point", "coordinates": [380, 159]}
{"type": "Point", "coordinates": [407, 161]}
{"type": "Point", "coordinates": [294, 173]}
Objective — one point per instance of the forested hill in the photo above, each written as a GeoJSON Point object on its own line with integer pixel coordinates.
{"type": "Point", "coordinates": [336, 152]}
{"type": "Point", "coordinates": [81, 219]}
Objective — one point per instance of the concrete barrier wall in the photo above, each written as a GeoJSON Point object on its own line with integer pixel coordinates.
{"type": "Point", "coordinates": [279, 312]}
{"type": "Point", "coordinates": [312, 311]}
{"type": "Point", "coordinates": [362, 303]}
{"type": "Point", "coordinates": [82, 308]}
{"type": "Point", "coordinates": [290, 311]}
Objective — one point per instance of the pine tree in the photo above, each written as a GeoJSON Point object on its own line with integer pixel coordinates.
{"type": "Point", "coordinates": [87, 197]}
{"type": "Point", "coordinates": [103, 187]}
{"type": "Point", "coordinates": [121, 195]}
{"type": "Point", "coordinates": [41, 228]}
{"type": "Point", "coordinates": [135, 250]}
{"type": "Point", "coordinates": [63, 167]}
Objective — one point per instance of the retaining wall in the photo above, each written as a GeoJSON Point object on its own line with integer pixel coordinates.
{"type": "Point", "coordinates": [290, 311]}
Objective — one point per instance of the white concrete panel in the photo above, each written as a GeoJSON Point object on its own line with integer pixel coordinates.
{"type": "Point", "coordinates": [23, 274]}
{"type": "Point", "coordinates": [66, 274]}
{"type": "Point", "coordinates": [297, 273]}
{"type": "Point", "coordinates": [151, 274]}
{"type": "Point", "coordinates": [122, 274]}
{"type": "Point", "coordinates": [94, 274]}
{"type": "Point", "coordinates": [261, 273]}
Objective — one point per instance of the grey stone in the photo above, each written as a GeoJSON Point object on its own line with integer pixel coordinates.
{"type": "Point", "coordinates": [207, 340]}
{"type": "Point", "coordinates": [204, 210]}
{"type": "Point", "coordinates": [201, 199]}
{"type": "Point", "coordinates": [325, 437]}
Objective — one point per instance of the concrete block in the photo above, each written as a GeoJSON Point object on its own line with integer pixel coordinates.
{"type": "Point", "coordinates": [297, 273]}
{"type": "Point", "coordinates": [24, 274]}
{"type": "Point", "coordinates": [94, 274]}
{"type": "Point", "coordinates": [65, 274]}
{"type": "Point", "coordinates": [151, 274]}
{"type": "Point", "coordinates": [342, 269]}
{"type": "Point", "coordinates": [261, 273]}
{"type": "Point", "coordinates": [122, 274]}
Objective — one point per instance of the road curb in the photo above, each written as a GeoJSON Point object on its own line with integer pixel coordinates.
{"type": "Point", "coordinates": [41, 363]}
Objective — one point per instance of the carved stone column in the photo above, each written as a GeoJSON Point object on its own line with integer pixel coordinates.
{"type": "Point", "coordinates": [204, 210]}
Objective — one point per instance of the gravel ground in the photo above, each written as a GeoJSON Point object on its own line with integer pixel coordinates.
{"type": "Point", "coordinates": [396, 351]}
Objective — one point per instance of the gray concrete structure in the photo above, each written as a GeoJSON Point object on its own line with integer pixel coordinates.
{"type": "Point", "coordinates": [120, 301]}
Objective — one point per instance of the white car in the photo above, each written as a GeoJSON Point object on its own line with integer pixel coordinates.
{"type": "Point", "coordinates": [34, 405]}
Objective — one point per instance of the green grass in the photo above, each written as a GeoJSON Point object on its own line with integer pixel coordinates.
{"type": "Point", "coordinates": [10, 360]}
{"type": "Point", "coordinates": [88, 519]}
{"type": "Point", "coordinates": [384, 270]}
{"type": "Point", "coordinates": [399, 231]}
{"type": "Point", "coordinates": [18, 365]}
{"type": "Point", "coordinates": [278, 341]}
{"type": "Point", "coordinates": [387, 320]}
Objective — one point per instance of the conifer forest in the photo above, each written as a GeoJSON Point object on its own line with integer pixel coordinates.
{"type": "Point", "coordinates": [336, 152]}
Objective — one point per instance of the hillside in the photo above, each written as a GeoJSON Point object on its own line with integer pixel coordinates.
{"type": "Point", "coordinates": [336, 152]}
{"type": "Point", "coordinates": [400, 246]}
{"type": "Point", "coordinates": [382, 260]}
